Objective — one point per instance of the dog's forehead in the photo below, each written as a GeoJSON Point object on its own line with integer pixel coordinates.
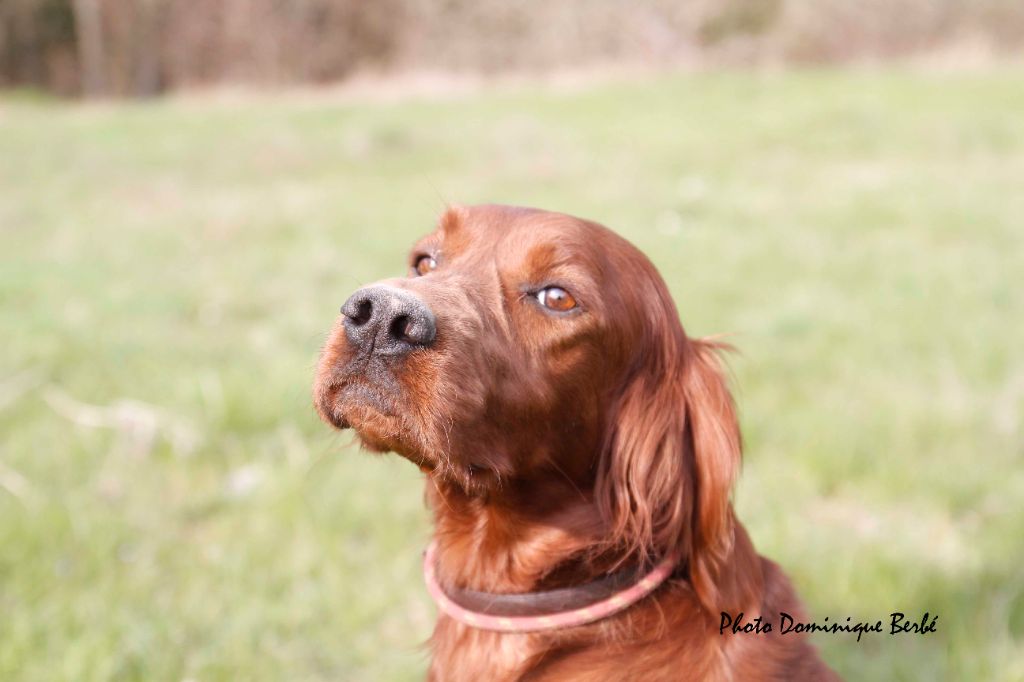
{"type": "Point", "coordinates": [514, 234]}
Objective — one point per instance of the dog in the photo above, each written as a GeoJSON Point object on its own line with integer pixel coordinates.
{"type": "Point", "coordinates": [579, 451]}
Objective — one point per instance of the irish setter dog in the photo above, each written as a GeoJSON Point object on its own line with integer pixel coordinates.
{"type": "Point", "coordinates": [533, 366]}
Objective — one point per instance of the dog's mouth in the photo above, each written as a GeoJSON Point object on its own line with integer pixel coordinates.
{"type": "Point", "coordinates": [350, 403]}
{"type": "Point", "coordinates": [374, 413]}
{"type": "Point", "coordinates": [360, 395]}
{"type": "Point", "coordinates": [373, 407]}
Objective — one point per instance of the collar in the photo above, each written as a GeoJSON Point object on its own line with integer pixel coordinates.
{"type": "Point", "coordinates": [549, 609]}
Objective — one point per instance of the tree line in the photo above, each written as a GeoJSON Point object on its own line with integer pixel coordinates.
{"type": "Point", "coordinates": [145, 47]}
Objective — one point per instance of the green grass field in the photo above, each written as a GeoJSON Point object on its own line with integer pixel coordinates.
{"type": "Point", "coordinates": [171, 509]}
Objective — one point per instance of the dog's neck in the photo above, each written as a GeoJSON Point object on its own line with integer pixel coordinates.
{"type": "Point", "coordinates": [525, 537]}
{"type": "Point", "coordinates": [547, 535]}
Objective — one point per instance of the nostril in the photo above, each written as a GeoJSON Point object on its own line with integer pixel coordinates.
{"type": "Point", "coordinates": [363, 313]}
{"type": "Point", "coordinates": [358, 312]}
{"type": "Point", "coordinates": [400, 328]}
{"type": "Point", "coordinates": [415, 329]}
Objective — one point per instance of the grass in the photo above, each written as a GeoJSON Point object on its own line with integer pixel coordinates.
{"type": "Point", "coordinates": [171, 509]}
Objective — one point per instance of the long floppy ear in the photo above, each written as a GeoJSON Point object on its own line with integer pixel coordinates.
{"type": "Point", "coordinates": [713, 438]}
{"type": "Point", "coordinates": [670, 461]}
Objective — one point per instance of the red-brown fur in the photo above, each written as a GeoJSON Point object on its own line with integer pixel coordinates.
{"type": "Point", "coordinates": [559, 447]}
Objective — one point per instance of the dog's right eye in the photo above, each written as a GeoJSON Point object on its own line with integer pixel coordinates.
{"type": "Point", "coordinates": [556, 299]}
{"type": "Point", "coordinates": [424, 265]}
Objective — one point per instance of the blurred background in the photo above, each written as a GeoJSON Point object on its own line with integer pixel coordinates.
{"type": "Point", "coordinates": [189, 190]}
{"type": "Point", "coordinates": [145, 47]}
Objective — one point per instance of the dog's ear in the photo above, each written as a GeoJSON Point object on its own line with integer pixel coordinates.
{"type": "Point", "coordinates": [713, 441]}
{"type": "Point", "coordinates": [670, 460]}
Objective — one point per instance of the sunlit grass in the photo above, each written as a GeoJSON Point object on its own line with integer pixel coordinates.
{"type": "Point", "coordinates": [170, 508]}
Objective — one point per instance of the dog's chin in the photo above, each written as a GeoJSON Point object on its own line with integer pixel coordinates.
{"type": "Point", "coordinates": [380, 430]}
{"type": "Point", "coordinates": [376, 429]}
{"type": "Point", "coordinates": [381, 435]}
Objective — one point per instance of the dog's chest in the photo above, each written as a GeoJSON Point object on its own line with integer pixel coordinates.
{"type": "Point", "coordinates": [465, 653]}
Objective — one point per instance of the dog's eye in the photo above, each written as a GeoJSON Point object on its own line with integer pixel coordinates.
{"type": "Point", "coordinates": [557, 299]}
{"type": "Point", "coordinates": [424, 265]}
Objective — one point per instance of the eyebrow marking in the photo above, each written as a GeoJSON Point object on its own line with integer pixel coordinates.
{"type": "Point", "coordinates": [452, 218]}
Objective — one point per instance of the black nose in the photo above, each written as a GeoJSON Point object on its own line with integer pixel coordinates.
{"type": "Point", "coordinates": [386, 320]}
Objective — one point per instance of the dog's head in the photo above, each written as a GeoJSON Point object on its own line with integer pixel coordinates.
{"type": "Point", "coordinates": [525, 344]}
